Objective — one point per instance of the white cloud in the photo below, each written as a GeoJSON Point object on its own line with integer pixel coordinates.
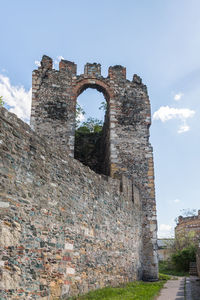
{"type": "Point", "coordinates": [60, 57]}
{"type": "Point", "coordinates": [177, 200]}
{"type": "Point", "coordinates": [178, 96]}
{"type": "Point", "coordinates": [165, 227]}
{"type": "Point", "coordinates": [80, 118]}
{"type": "Point", "coordinates": [165, 230]}
{"type": "Point", "coordinates": [16, 97]}
{"type": "Point", "coordinates": [183, 128]}
{"type": "Point", "coordinates": [37, 63]}
{"type": "Point", "coordinates": [166, 113]}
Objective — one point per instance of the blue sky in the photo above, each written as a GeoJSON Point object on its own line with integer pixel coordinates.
{"type": "Point", "coordinates": [158, 40]}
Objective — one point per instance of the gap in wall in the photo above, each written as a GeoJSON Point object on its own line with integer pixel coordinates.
{"type": "Point", "coordinates": [92, 131]}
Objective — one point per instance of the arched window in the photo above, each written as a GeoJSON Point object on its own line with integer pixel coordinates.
{"type": "Point", "coordinates": [92, 128]}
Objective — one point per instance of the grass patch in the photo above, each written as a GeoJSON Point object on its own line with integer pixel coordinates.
{"type": "Point", "coordinates": [164, 277]}
{"type": "Point", "coordinates": [137, 290]}
{"type": "Point", "coordinates": [166, 267]}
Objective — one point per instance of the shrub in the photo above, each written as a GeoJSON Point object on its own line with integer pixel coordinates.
{"type": "Point", "coordinates": [182, 258]}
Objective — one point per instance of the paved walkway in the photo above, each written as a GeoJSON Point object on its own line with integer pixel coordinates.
{"type": "Point", "coordinates": [173, 290]}
{"type": "Point", "coordinates": [181, 289]}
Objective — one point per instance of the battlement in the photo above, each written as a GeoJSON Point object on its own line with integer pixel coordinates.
{"type": "Point", "coordinates": [49, 85]}
{"type": "Point", "coordinates": [117, 72]}
{"type": "Point", "coordinates": [69, 66]}
{"type": "Point", "coordinates": [92, 70]}
{"type": "Point", "coordinates": [182, 219]}
{"type": "Point", "coordinates": [46, 62]}
{"type": "Point", "coordinates": [137, 79]}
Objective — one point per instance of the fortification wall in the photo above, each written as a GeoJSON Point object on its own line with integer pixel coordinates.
{"type": "Point", "coordinates": [189, 224]}
{"type": "Point", "coordinates": [63, 228]}
{"type": "Point", "coordinates": [127, 150]}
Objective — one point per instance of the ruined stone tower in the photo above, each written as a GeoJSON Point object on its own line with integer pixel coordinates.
{"type": "Point", "coordinates": [65, 228]}
{"type": "Point", "coordinates": [127, 150]}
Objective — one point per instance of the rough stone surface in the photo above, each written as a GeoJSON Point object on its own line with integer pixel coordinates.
{"type": "Point", "coordinates": [127, 150]}
{"type": "Point", "coordinates": [189, 225]}
{"type": "Point", "coordinates": [65, 229]}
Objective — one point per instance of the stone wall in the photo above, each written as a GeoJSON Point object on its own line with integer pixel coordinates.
{"type": "Point", "coordinates": [127, 150]}
{"type": "Point", "coordinates": [188, 225]}
{"type": "Point", "coordinates": [64, 229]}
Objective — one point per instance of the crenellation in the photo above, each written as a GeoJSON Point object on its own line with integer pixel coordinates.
{"type": "Point", "coordinates": [69, 66]}
{"type": "Point", "coordinates": [46, 63]}
{"type": "Point", "coordinates": [137, 79]}
{"type": "Point", "coordinates": [117, 73]}
{"type": "Point", "coordinates": [92, 70]}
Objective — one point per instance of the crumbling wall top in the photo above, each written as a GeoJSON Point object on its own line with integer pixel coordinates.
{"type": "Point", "coordinates": [66, 65]}
{"type": "Point", "coordinates": [46, 62]}
{"type": "Point", "coordinates": [91, 70]}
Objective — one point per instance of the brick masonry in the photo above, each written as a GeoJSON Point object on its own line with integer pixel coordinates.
{"type": "Point", "coordinates": [189, 225]}
{"type": "Point", "coordinates": [65, 229]}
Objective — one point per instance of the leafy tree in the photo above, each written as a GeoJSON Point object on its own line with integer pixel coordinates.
{"type": "Point", "coordinates": [79, 113]}
{"type": "Point", "coordinates": [184, 239]}
{"type": "Point", "coordinates": [182, 258]}
{"type": "Point", "coordinates": [185, 246]}
{"type": "Point", "coordinates": [92, 125]}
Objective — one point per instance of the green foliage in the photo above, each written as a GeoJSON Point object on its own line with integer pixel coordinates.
{"type": "Point", "coordinates": [164, 277]}
{"type": "Point", "coordinates": [92, 125]}
{"type": "Point", "coordinates": [167, 267]}
{"type": "Point", "coordinates": [185, 239]}
{"type": "Point", "coordinates": [183, 252]}
{"type": "Point", "coordinates": [182, 258]}
{"type": "Point", "coordinates": [137, 290]}
{"type": "Point", "coordinates": [79, 112]}
{"type": "Point", "coordinates": [88, 145]}
{"type": "Point", "coordinates": [1, 101]}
